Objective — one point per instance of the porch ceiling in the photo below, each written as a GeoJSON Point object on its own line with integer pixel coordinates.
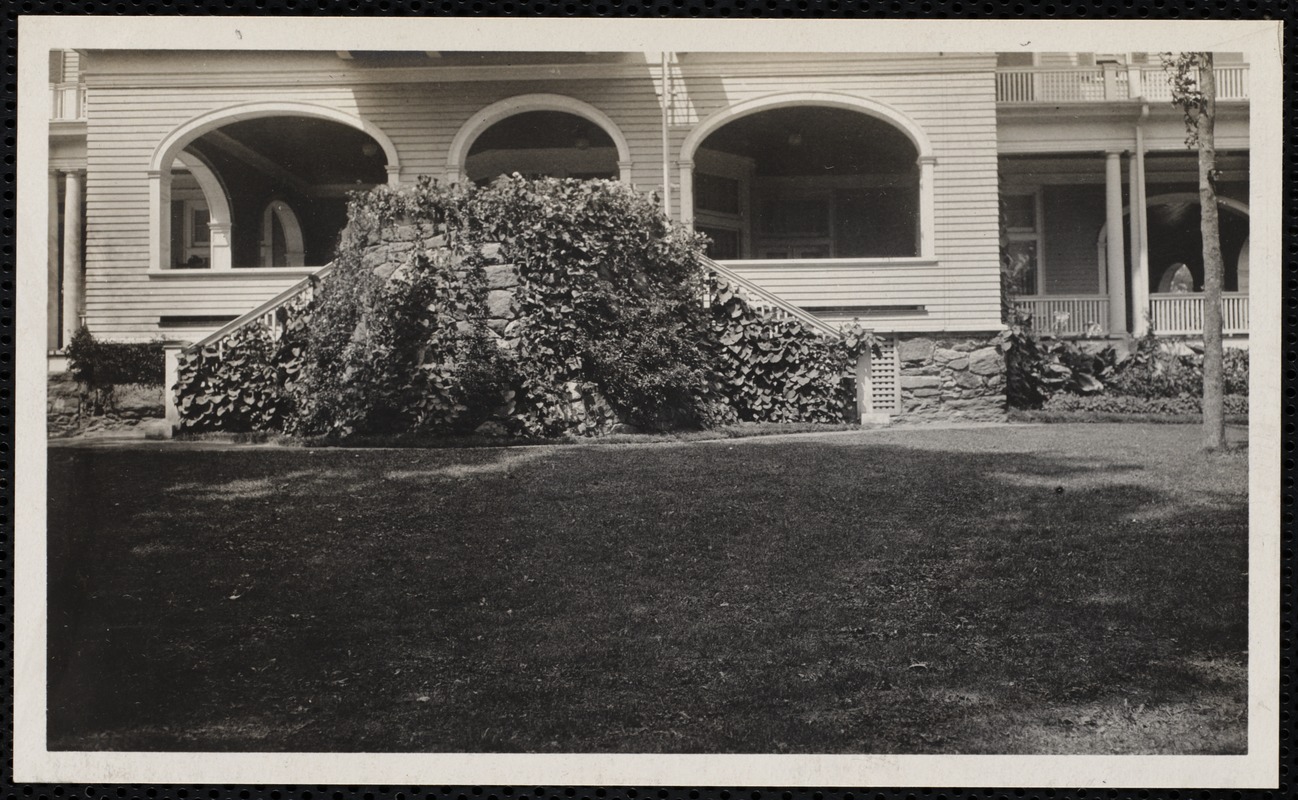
{"type": "Point", "coordinates": [312, 151]}
{"type": "Point", "coordinates": [812, 140]}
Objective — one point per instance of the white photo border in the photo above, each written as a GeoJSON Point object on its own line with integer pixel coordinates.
{"type": "Point", "coordinates": [1259, 768]}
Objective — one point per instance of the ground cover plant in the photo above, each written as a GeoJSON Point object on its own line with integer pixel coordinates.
{"type": "Point", "coordinates": [1159, 375]}
{"type": "Point", "coordinates": [1066, 589]}
{"type": "Point", "coordinates": [593, 312]}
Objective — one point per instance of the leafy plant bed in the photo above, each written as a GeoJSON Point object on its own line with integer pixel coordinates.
{"type": "Point", "coordinates": [1029, 589]}
{"type": "Point", "coordinates": [1124, 404]}
{"type": "Point", "coordinates": [1042, 415]}
{"type": "Point", "coordinates": [530, 308]}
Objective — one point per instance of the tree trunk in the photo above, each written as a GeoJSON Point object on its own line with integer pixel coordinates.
{"type": "Point", "coordinates": [1214, 420]}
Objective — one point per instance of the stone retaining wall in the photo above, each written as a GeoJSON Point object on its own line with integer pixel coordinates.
{"type": "Point", "coordinates": [951, 378]}
{"type": "Point", "coordinates": [73, 408]}
{"type": "Point", "coordinates": [402, 242]}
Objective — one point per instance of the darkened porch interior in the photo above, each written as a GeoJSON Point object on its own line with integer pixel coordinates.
{"type": "Point", "coordinates": [285, 181]}
{"type": "Point", "coordinates": [807, 182]}
{"type": "Point", "coordinates": [553, 144]}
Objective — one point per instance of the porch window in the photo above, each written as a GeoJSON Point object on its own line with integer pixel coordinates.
{"type": "Point", "coordinates": [808, 182]}
{"type": "Point", "coordinates": [1022, 215]}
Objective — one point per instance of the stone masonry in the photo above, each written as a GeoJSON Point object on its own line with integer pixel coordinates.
{"type": "Point", "coordinates": [73, 408]}
{"type": "Point", "coordinates": [951, 378]}
{"type": "Point", "coordinates": [400, 244]}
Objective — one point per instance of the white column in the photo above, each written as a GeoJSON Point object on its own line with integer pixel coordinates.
{"type": "Point", "coordinates": [52, 302]}
{"type": "Point", "coordinates": [219, 235]}
{"type": "Point", "coordinates": [73, 279]}
{"type": "Point", "coordinates": [624, 172]}
{"type": "Point", "coordinates": [160, 219]}
{"type": "Point", "coordinates": [171, 374]}
{"type": "Point", "coordinates": [394, 174]}
{"type": "Point", "coordinates": [1114, 255]}
{"type": "Point", "coordinates": [1139, 243]}
{"type": "Point", "coordinates": [927, 242]}
{"type": "Point", "coordinates": [864, 389]}
{"type": "Point", "coordinates": [686, 194]}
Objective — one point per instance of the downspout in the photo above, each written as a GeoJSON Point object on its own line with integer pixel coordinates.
{"type": "Point", "coordinates": [666, 121]}
{"type": "Point", "coordinates": [1140, 234]}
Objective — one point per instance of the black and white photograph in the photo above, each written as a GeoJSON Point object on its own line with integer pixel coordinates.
{"type": "Point", "coordinates": [761, 403]}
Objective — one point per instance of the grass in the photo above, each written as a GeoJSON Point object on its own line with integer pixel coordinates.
{"type": "Point", "coordinates": [1029, 589]}
{"type": "Point", "coordinates": [741, 430]}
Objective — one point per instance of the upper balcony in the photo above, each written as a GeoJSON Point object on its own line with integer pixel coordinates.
{"type": "Point", "coordinates": [67, 102]}
{"type": "Point", "coordinates": [1026, 86]}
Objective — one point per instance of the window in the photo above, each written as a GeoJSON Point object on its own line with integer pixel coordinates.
{"type": "Point", "coordinates": [724, 244]}
{"type": "Point", "coordinates": [1021, 213]}
{"type": "Point", "coordinates": [191, 238]}
{"type": "Point", "coordinates": [715, 193]}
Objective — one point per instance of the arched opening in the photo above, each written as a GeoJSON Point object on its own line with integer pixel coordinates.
{"type": "Point", "coordinates": [809, 178]}
{"type": "Point", "coordinates": [281, 237]}
{"type": "Point", "coordinates": [226, 184]}
{"type": "Point", "coordinates": [539, 134]}
{"type": "Point", "coordinates": [1175, 244]}
{"type": "Point", "coordinates": [553, 144]}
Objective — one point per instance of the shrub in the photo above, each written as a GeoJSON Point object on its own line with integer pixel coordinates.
{"type": "Point", "coordinates": [100, 364]}
{"type": "Point", "coordinates": [771, 369]}
{"type": "Point", "coordinates": [1235, 368]}
{"type": "Point", "coordinates": [608, 324]}
{"type": "Point", "coordinates": [1166, 368]}
{"type": "Point", "coordinates": [1129, 404]}
{"type": "Point", "coordinates": [1036, 370]}
{"type": "Point", "coordinates": [609, 312]}
{"type": "Point", "coordinates": [247, 382]}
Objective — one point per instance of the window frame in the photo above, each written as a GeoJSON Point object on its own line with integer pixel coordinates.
{"type": "Point", "coordinates": [1035, 234]}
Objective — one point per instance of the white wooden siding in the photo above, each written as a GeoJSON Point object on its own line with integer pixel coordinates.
{"type": "Point", "coordinates": [136, 100]}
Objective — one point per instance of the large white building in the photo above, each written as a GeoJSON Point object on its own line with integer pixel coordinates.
{"type": "Point", "coordinates": [188, 188]}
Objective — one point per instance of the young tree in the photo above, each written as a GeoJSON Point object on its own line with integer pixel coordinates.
{"type": "Point", "coordinates": [1194, 89]}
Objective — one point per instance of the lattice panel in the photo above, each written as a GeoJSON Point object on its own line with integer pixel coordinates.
{"type": "Point", "coordinates": [885, 383]}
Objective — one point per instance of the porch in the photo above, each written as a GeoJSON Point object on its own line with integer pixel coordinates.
{"type": "Point", "coordinates": [1179, 314]}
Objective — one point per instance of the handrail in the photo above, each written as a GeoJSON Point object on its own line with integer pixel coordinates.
{"type": "Point", "coordinates": [763, 298]}
{"type": "Point", "coordinates": [260, 312]}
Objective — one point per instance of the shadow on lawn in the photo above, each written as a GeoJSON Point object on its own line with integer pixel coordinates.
{"type": "Point", "coordinates": [941, 592]}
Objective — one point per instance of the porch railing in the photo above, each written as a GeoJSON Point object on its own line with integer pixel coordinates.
{"type": "Point", "coordinates": [68, 102]}
{"type": "Point", "coordinates": [1067, 315]}
{"type": "Point", "coordinates": [1182, 314]}
{"type": "Point", "coordinates": [763, 298]}
{"type": "Point", "coordinates": [267, 314]}
{"type": "Point", "coordinates": [1046, 85]}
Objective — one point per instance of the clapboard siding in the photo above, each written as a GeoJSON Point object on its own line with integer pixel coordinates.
{"type": "Point", "coordinates": [138, 99]}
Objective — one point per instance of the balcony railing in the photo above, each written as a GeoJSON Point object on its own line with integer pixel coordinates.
{"type": "Point", "coordinates": [1170, 314]}
{"type": "Point", "coordinates": [1067, 315]}
{"type": "Point", "coordinates": [1182, 314]}
{"type": "Point", "coordinates": [1049, 85]}
{"type": "Point", "coordinates": [68, 102]}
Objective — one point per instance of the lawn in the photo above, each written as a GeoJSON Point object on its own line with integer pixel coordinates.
{"type": "Point", "coordinates": [1022, 589]}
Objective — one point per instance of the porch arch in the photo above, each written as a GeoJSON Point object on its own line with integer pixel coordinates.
{"type": "Point", "coordinates": [1102, 239]}
{"type": "Point", "coordinates": [519, 104]}
{"type": "Point", "coordinates": [173, 145]}
{"type": "Point", "coordinates": [294, 246]}
{"type": "Point", "coordinates": [887, 114]}
{"type": "Point", "coordinates": [218, 209]}
{"type": "Point", "coordinates": [196, 127]}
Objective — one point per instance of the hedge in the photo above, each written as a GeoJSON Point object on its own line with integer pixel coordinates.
{"type": "Point", "coordinates": [1125, 404]}
{"type": "Point", "coordinates": [101, 364]}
